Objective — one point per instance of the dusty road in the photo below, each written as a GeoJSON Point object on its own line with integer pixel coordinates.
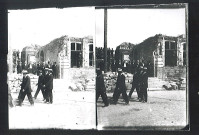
{"type": "Point", "coordinates": [70, 110]}
{"type": "Point", "coordinates": [164, 109]}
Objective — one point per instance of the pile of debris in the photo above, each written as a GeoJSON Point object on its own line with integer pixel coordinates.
{"type": "Point", "coordinates": [176, 84]}
{"type": "Point", "coordinates": [82, 80]}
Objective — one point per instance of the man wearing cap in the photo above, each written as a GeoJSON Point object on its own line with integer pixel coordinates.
{"type": "Point", "coordinates": [26, 89]}
{"type": "Point", "coordinates": [40, 85]}
{"type": "Point", "coordinates": [120, 88]}
{"type": "Point", "coordinates": [49, 86]}
{"type": "Point", "coordinates": [100, 87]}
{"type": "Point", "coordinates": [143, 85]}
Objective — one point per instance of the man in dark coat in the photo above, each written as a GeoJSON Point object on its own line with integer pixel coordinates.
{"type": "Point", "coordinates": [144, 85]}
{"type": "Point", "coordinates": [100, 87]}
{"type": "Point", "coordinates": [120, 88]}
{"type": "Point", "coordinates": [135, 83]}
{"type": "Point", "coordinates": [54, 68]}
{"type": "Point", "coordinates": [19, 68]}
{"type": "Point", "coordinates": [49, 86]}
{"type": "Point", "coordinates": [26, 89]}
{"type": "Point", "coordinates": [40, 85]}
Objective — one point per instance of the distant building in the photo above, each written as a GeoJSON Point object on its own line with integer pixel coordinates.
{"type": "Point", "coordinates": [68, 52]}
{"type": "Point", "coordinates": [123, 52]}
{"type": "Point", "coordinates": [167, 54]}
{"type": "Point", "coordinates": [28, 54]}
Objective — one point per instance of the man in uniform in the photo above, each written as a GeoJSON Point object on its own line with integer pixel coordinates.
{"type": "Point", "coordinates": [49, 86]}
{"type": "Point", "coordinates": [40, 85]}
{"type": "Point", "coordinates": [120, 88]}
{"type": "Point", "coordinates": [100, 87]}
{"type": "Point", "coordinates": [144, 85]}
{"type": "Point", "coordinates": [26, 89]}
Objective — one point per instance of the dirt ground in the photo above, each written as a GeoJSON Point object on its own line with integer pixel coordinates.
{"type": "Point", "coordinates": [70, 110]}
{"type": "Point", "coordinates": [164, 110]}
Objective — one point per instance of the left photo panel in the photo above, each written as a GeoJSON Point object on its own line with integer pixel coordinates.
{"type": "Point", "coordinates": [51, 68]}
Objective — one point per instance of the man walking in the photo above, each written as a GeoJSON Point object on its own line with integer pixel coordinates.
{"type": "Point", "coordinates": [120, 88]}
{"type": "Point", "coordinates": [26, 89]}
{"type": "Point", "coordinates": [40, 85]}
{"type": "Point", "coordinates": [100, 87]}
{"type": "Point", "coordinates": [135, 83]}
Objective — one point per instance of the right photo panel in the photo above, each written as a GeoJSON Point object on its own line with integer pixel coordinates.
{"type": "Point", "coordinates": [142, 67]}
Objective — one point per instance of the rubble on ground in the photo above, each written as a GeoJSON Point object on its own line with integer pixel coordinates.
{"type": "Point", "coordinates": [110, 79]}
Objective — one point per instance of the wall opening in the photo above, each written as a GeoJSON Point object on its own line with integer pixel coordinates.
{"type": "Point", "coordinates": [91, 55]}
{"type": "Point", "coordinates": [170, 53]}
{"type": "Point", "coordinates": [184, 54]}
{"type": "Point", "coordinates": [42, 56]}
{"type": "Point", "coordinates": [76, 55]}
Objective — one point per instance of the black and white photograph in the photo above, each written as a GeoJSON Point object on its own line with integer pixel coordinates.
{"type": "Point", "coordinates": [141, 67]}
{"type": "Point", "coordinates": [51, 68]}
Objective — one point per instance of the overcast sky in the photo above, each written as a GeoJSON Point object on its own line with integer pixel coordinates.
{"type": "Point", "coordinates": [40, 26]}
{"type": "Point", "coordinates": [136, 25]}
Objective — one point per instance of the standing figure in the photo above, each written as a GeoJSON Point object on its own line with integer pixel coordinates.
{"type": "Point", "coordinates": [135, 84]}
{"type": "Point", "coordinates": [54, 68]}
{"type": "Point", "coordinates": [40, 85]}
{"type": "Point", "coordinates": [144, 85]}
{"type": "Point", "coordinates": [26, 89]}
{"type": "Point", "coordinates": [49, 86]}
{"type": "Point", "coordinates": [120, 88]}
{"type": "Point", "coordinates": [100, 87]}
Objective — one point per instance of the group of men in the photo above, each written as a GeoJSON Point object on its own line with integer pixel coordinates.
{"type": "Point", "coordinates": [45, 84]}
{"type": "Point", "coordinates": [140, 83]}
{"type": "Point", "coordinates": [33, 68]}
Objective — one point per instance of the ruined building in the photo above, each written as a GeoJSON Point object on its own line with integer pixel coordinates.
{"type": "Point", "coordinates": [122, 53]}
{"type": "Point", "coordinates": [28, 54]}
{"type": "Point", "coordinates": [167, 54]}
{"type": "Point", "coordinates": [68, 52]}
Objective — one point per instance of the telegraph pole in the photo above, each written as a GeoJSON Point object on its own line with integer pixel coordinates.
{"type": "Point", "coordinates": [105, 40]}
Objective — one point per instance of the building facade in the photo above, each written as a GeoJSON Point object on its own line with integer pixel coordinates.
{"type": "Point", "coordinates": [167, 54]}
{"type": "Point", "coordinates": [68, 52]}
{"type": "Point", "coordinates": [28, 54]}
{"type": "Point", "coordinates": [122, 53]}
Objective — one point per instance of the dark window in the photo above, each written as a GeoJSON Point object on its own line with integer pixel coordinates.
{"type": "Point", "coordinates": [172, 45]}
{"type": "Point", "coordinates": [72, 46]}
{"type": "Point", "coordinates": [79, 47]}
{"type": "Point", "coordinates": [91, 47]}
{"type": "Point", "coordinates": [184, 47]}
{"type": "Point", "coordinates": [167, 45]}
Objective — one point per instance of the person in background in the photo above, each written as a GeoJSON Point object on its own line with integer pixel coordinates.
{"type": "Point", "coordinates": [54, 68]}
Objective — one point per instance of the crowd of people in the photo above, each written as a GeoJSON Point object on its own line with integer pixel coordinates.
{"type": "Point", "coordinates": [46, 72]}
{"type": "Point", "coordinates": [140, 83]}
{"type": "Point", "coordinates": [45, 85]}
{"type": "Point", "coordinates": [35, 68]}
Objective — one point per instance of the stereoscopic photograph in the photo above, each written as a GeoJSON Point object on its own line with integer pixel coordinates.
{"type": "Point", "coordinates": [141, 67]}
{"type": "Point", "coordinates": [51, 68]}
{"type": "Point", "coordinates": [102, 68]}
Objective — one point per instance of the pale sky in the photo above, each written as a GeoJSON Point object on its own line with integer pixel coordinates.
{"type": "Point", "coordinates": [136, 25]}
{"type": "Point", "coordinates": [40, 26]}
